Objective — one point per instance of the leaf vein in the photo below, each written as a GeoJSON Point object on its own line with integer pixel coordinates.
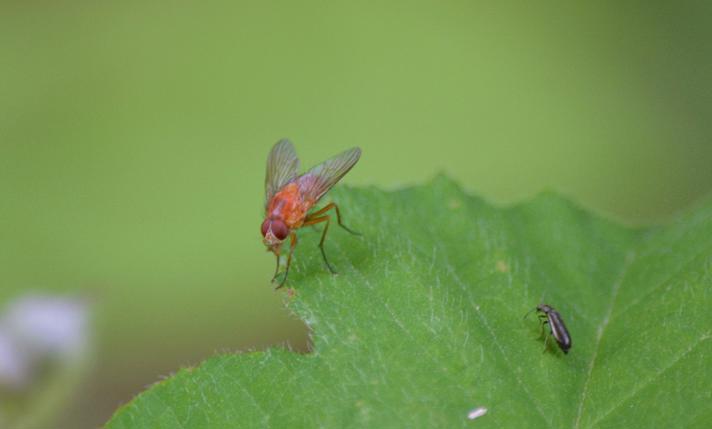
{"type": "Point", "coordinates": [682, 268]}
{"type": "Point", "coordinates": [630, 257]}
{"type": "Point", "coordinates": [706, 336]}
{"type": "Point", "coordinates": [489, 330]}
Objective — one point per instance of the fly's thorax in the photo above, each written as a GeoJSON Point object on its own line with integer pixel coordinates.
{"type": "Point", "coordinates": [288, 205]}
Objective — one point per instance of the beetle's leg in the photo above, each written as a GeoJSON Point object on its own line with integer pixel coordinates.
{"type": "Point", "coordinates": [541, 325]}
{"type": "Point", "coordinates": [546, 342]}
{"type": "Point", "coordinates": [314, 220]}
{"type": "Point", "coordinates": [328, 207]}
{"type": "Point", "coordinates": [292, 245]}
{"type": "Point", "coordinates": [543, 320]}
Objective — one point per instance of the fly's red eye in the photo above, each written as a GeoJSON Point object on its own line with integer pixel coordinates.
{"type": "Point", "coordinates": [279, 229]}
{"type": "Point", "coordinates": [265, 227]}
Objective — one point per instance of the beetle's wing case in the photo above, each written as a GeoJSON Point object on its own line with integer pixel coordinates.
{"type": "Point", "coordinates": [282, 168]}
{"type": "Point", "coordinates": [559, 331]}
{"type": "Point", "coordinates": [316, 182]}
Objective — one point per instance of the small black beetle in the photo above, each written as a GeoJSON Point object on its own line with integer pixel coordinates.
{"type": "Point", "coordinates": [547, 314]}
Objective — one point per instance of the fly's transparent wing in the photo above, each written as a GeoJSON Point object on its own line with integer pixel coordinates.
{"type": "Point", "coordinates": [282, 168]}
{"type": "Point", "coordinates": [316, 182]}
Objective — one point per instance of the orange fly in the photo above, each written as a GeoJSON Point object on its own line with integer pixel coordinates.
{"type": "Point", "coordinates": [289, 197]}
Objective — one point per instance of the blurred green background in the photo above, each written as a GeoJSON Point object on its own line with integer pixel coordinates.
{"type": "Point", "coordinates": [133, 137]}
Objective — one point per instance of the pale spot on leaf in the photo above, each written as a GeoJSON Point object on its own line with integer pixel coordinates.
{"type": "Point", "coordinates": [477, 412]}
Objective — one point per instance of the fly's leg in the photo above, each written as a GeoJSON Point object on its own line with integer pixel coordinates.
{"type": "Point", "coordinates": [321, 245]}
{"type": "Point", "coordinates": [276, 269]}
{"type": "Point", "coordinates": [292, 245]}
{"type": "Point", "coordinates": [314, 220]}
{"type": "Point", "coordinates": [328, 207]}
{"type": "Point", "coordinates": [319, 216]}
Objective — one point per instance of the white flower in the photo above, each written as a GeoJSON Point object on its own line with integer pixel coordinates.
{"type": "Point", "coordinates": [37, 328]}
{"type": "Point", "coordinates": [13, 365]}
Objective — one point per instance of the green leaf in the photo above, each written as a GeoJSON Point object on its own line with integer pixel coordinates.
{"type": "Point", "coordinates": [425, 323]}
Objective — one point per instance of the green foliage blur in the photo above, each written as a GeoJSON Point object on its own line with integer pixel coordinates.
{"type": "Point", "coordinates": [424, 323]}
{"type": "Point", "coordinates": [133, 137]}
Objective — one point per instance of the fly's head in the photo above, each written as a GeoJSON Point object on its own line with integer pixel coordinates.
{"type": "Point", "coordinates": [274, 232]}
